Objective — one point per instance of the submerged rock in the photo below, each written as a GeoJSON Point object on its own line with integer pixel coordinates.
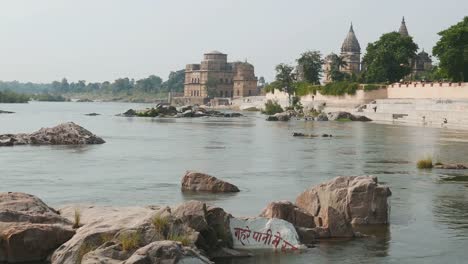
{"type": "Point", "coordinates": [29, 229]}
{"type": "Point", "coordinates": [334, 116]}
{"type": "Point", "coordinates": [6, 112]}
{"type": "Point", "coordinates": [63, 134]}
{"type": "Point", "coordinates": [92, 114]}
{"type": "Point", "coordinates": [450, 166]}
{"type": "Point", "coordinates": [200, 182]}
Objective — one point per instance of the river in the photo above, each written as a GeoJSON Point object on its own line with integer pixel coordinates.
{"type": "Point", "coordinates": [144, 160]}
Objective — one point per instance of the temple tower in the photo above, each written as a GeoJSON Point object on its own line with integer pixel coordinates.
{"type": "Point", "coordinates": [351, 53]}
{"type": "Point", "coordinates": [403, 30]}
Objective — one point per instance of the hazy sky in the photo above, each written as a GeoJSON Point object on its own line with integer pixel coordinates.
{"type": "Point", "coordinates": [97, 40]}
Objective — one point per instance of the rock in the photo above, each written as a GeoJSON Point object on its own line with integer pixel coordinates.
{"type": "Point", "coordinates": [185, 108]}
{"type": "Point", "coordinates": [187, 113]}
{"type": "Point", "coordinates": [288, 211]}
{"type": "Point", "coordinates": [448, 166]}
{"type": "Point", "coordinates": [200, 182]}
{"type": "Point", "coordinates": [63, 134]}
{"type": "Point", "coordinates": [129, 113]}
{"type": "Point", "coordinates": [361, 119]}
{"type": "Point", "coordinates": [359, 199]}
{"type": "Point", "coordinates": [6, 112]}
{"type": "Point", "coordinates": [86, 100]}
{"type": "Point", "coordinates": [338, 226]}
{"type": "Point", "coordinates": [296, 134]}
{"type": "Point", "coordinates": [327, 135]}
{"type": "Point", "coordinates": [232, 115]}
{"type": "Point", "coordinates": [92, 114]}
{"type": "Point", "coordinates": [340, 116]}
{"type": "Point", "coordinates": [103, 228]}
{"type": "Point", "coordinates": [322, 117]}
{"type": "Point", "coordinates": [100, 238]}
{"type": "Point", "coordinates": [346, 116]}
{"type": "Point", "coordinates": [309, 236]}
{"type": "Point", "coordinates": [272, 118]}
{"type": "Point", "coordinates": [166, 252]}
{"type": "Point", "coordinates": [167, 110]}
{"type": "Point", "coordinates": [264, 233]}
{"type": "Point", "coordinates": [29, 229]}
{"type": "Point", "coordinates": [282, 116]}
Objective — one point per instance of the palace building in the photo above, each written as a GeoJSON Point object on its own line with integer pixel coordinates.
{"type": "Point", "coordinates": [216, 77]}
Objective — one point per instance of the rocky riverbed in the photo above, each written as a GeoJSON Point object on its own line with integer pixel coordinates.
{"type": "Point", "coordinates": [191, 232]}
{"type": "Point", "coordinates": [162, 110]}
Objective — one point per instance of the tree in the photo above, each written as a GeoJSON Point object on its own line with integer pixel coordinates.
{"type": "Point", "coordinates": [311, 64]}
{"type": "Point", "coordinates": [175, 82]}
{"type": "Point", "coordinates": [452, 51]}
{"type": "Point", "coordinates": [285, 79]}
{"type": "Point", "coordinates": [387, 59]}
{"type": "Point", "coordinates": [211, 87]}
{"type": "Point", "coordinates": [338, 63]}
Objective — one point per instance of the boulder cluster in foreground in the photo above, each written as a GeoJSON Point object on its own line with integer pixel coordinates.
{"type": "Point", "coordinates": [63, 134]}
{"type": "Point", "coordinates": [332, 116]}
{"type": "Point", "coordinates": [192, 232]}
{"type": "Point", "coordinates": [162, 110]}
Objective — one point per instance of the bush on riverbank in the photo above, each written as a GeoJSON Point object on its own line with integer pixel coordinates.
{"type": "Point", "coordinates": [339, 88]}
{"type": "Point", "coordinates": [272, 107]}
{"type": "Point", "coordinates": [45, 97]}
{"type": "Point", "coordinates": [305, 88]}
{"type": "Point", "coordinates": [425, 163]}
{"type": "Point", "coordinates": [12, 97]}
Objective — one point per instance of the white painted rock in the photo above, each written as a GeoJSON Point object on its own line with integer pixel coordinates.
{"type": "Point", "coordinates": [264, 233]}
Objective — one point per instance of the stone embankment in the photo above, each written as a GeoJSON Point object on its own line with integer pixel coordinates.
{"type": "Point", "coordinates": [191, 232]}
{"type": "Point", "coordinates": [63, 134]}
{"type": "Point", "coordinates": [162, 110]}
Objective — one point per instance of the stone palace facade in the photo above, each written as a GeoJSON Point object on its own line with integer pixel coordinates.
{"type": "Point", "coordinates": [216, 77]}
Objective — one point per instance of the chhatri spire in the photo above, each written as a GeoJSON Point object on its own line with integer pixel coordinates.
{"type": "Point", "coordinates": [351, 44]}
{"type": "Point", "coordinates": [403, 30]}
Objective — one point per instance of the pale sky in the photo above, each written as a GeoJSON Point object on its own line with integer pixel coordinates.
{"type": "Point", "coordinates": [98, 40]}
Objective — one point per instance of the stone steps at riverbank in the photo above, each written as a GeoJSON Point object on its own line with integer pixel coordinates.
{"type": "Point", "coordinates": [425, 112]}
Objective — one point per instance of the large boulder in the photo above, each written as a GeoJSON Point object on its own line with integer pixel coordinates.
{"type": "Point", "coordinates": [322, 117]}
{"type": "Point", "coordinates": [283, 116]}
{"type": "Point", "coordinates": [290, 212]}
{"type": "Point", "coordinates": [264, 233]}
{"type": "Point", "coordinates": [166, 252]}
{"type": "Point", "coordinates": [63, 134]}
{"type": "Point", "coordinates": [359, 199]}
{"type": "Point", "coordinates": [200, 182]}
{"type": "Point", "coordinates": [116, 235]}
{"type": "Point", "coordinates": [29, 229]}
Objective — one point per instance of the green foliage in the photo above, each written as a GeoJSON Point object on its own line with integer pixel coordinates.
{"type": "Point", "coordinates": [425, 163]}
{"type": "Point", "coordinates": [184, 240]}
{"type": "Point", "coordinates": [371, 87]}
{"type": "Point", "coordinates": [311, 63]}
{"type": "Point", "coordinates": [252, 109]}
{"type": "Point", "coordinates": [272, 107]}
{"type": "Point", "coordinates": [339, 88]}
{"type": "Point", "coordinates": [46, 97]}
{"type": "Point", "coordinates": [12, 97]}
{"type": "Point", "coordinates": [161, 225]}
{"type": "Point", "coordinates": [387, 60]}
{"type": "Point", "coordinates": [130, 241]}
{"type": "Point", "coordinates": [452, 51]}
{"type": "Point", "coordinates": [285, 79]}
{"type": "Point", "coordinates": [305, 88]}
{"type": "Point", "coordinates": [337, 63]}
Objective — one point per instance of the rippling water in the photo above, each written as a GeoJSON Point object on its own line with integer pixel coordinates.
{"type": "Point", "coordinates": [144, 159]}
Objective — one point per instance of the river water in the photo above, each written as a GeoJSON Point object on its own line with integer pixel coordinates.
{"type": "Point", "coordinates": [144, 160]}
